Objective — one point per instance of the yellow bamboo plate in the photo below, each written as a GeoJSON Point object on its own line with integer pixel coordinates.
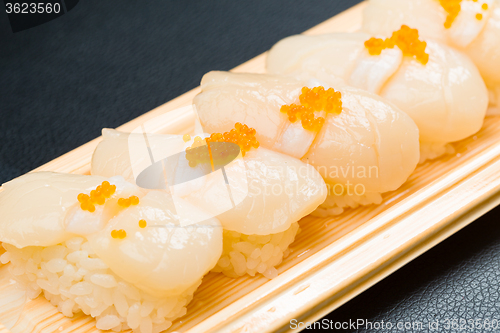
{"type": "Point", "coordinates": [333, 259]}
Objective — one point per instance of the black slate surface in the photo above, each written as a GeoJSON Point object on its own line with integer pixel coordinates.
{"type": "Point", "coordinates": [107, 62]}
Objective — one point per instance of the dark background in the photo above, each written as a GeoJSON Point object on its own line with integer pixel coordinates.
{"type": "Point", "coordinates": [106, 62]}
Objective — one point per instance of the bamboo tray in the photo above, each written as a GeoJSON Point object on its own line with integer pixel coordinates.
{"type": "Point", "coordinates": [333, 259]}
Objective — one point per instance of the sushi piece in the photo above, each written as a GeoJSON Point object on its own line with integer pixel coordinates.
{"type": "Point", "coordinates": [360, 144]}
{"type": "Point", "coordinates": [117, 155]}
{"type": "Point", "coordinates": [258, 198]}
{"type": "Point", "coordinates": [438, 87]}
{"type": "Point", "coordinates": [105, 247]}
{"type": "Point", "coordinates": [472, 27]}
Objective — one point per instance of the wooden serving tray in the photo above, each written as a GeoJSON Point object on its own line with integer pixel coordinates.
{"type": "Point", "coordinates": [333, 259]}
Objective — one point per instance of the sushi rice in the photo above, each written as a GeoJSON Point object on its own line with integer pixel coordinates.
{"type": "Point", "coordinates": [431, 151]}
{"type": "Point", "coordinates": [251, 254]}
{"type": "Point", "coordinates": [73, 279]}
{"type": "Point", "coordinates": [335, 204]}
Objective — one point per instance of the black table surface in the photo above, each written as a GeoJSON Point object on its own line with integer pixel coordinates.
{"type": "Point", "coordinates": [106, 62]}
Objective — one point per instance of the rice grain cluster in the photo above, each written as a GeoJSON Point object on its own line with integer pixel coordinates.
{"type": "Point", "coordinates": [73, 279]}
{"type": "Point", "coordinates": [336, 204]}
{"type": "Point", "coordinates": [251, 254]}
{"type": "Point", "coordinates": [431, 151]}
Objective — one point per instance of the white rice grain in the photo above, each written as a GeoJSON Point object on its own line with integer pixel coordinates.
{"type": "Point", "coordinates": [251, 254]}
{"type": "Point", "coordinates": [431, 151]}
{"type": "Point", "coordinates": [108, 322]}
{"type": "Point", "coordinates": [104, 280]}
{"type": "Point", "coordinates": [336, 204]}
{"type": "Point", "coordinates": [93, 264]}
{"type": "Point", "coordinates": [54, 266]}
{"type": "Point", "coordinates": [5, 258]}
{"type": "Point", "coordinates": [73, 279]}
{"type": "Point", "coordinates": [81, 288]}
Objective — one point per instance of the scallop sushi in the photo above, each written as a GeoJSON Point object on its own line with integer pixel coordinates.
{"type": "Point", "coordinates": [104, 247]}
{"type": "Point", "coordinates": [360, 144]}
{"type": "Point", "coordinates": [472, 27]}
{"type": "Point", "coordinates": [439, 87]}
{"type": "Point", "coordinates": [258, 198]}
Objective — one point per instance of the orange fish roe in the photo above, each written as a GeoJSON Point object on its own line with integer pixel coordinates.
{"type": "Point", "coordinates": [186, 137]}
{"type": "Point", "coordinates": [407, 41]}
{"type": "Point", "coordinates": [312, 100]}
{"type": "Point", "coordinates": [142, 223]}
{"type": "Point", "coordinates": [198, 142]}
{"type": "Point", "coordinates": [453, 7]}
{"type": "Point", "coordinates": [133, 200]}
{"type": "Point", "coordinates": [197, 156]}
{"type": "Point", "coordinates": [121, 234]}
{"type": "Point", "coordinates": [96, 197]}
{"type": "Point", "coordinates": [241, 134]}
